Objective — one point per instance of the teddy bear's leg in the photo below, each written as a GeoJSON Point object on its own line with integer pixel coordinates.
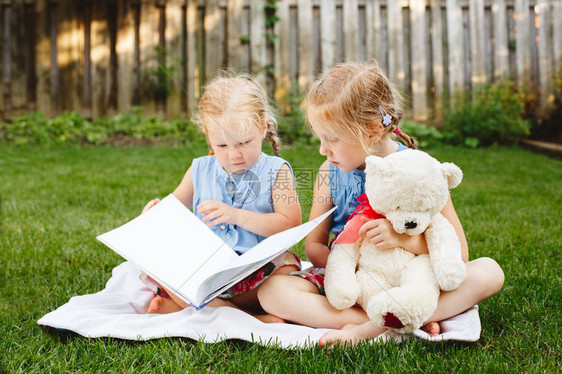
{"type": "Point", "coordinates": [371, 284]}
{"type": "Point", "coordinates": [405, 308]}
{"type": "Point", "coordinates": [340, 283]}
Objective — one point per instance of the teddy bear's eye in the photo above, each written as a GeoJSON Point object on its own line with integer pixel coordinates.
{"type": "Point", "coordinates": [397, 208]}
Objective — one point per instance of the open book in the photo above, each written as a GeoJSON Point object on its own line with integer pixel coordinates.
{"type": "Point", "coordinates": [182, 254]}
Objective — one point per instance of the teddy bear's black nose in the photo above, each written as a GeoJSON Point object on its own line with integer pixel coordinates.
{"type": "Point", "coordinates": [411, 225]}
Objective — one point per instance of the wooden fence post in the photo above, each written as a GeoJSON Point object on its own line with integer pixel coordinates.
{"type": "Point", "coordinates": [455, 46]}
{"type": "Point", "coordinates": [234, 10]}
{"type": "Point", "coordinates": [557, 35]}
{"type": "Point", "coordinates": [305, 43]}
{"type": "Point", "coordinates": [418, 60]}
{"type": "Point", "coordinates": [437, 56]}
{"type": "Point", "coordinates": [501, 53]}
{"type": "Point", "coordinates": [191, 64]}
{"type": "Point", "coordinates": [125, 49]}
{"type": "Point", "coordinates": [523, 39]}
{"type": "Point", "coordinates": [257, 42]}
{"type": "Point", "coordinates": [350, 32]}
{"type": "Point", "coordinates": [328, 37]}
{"type": "Point", "coordinates": [7, 56]}
{"type": "Point", "coordinates": [546, 77]}
{"type": "Point", "coordinates": [100, 61]}
{"type": "Point", "coordinates": [175, 44]}
{"type": "Point", "coordinates": [477, 43]}
{"type": "Point", "coordinates": [282, 78]}
{"type": "Point", "coordinates": [212, 37]}
{"type": "Point", "coordinates": [396, 43]}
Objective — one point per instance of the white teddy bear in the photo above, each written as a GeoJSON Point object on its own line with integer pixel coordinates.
{"type": "Point", "coordinates": [396, 288]}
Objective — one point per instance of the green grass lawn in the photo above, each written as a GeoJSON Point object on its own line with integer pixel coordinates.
{"type": "Point", "coordinates": [56, 200]}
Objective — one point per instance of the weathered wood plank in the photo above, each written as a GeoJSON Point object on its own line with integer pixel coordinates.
{"type": "Point", "coordinates": [7, 57]}
{"type": "Point", "coordinates": [282, 55]}
{"type": "Point", "coordinates": [257, 41]}
{"type": "Point", "coordinates": [30, 58]}
{"type": "Point", "coordinates": [100, 54]}
{"type": "Point", "coordinates": [455, 46]}
{"type": "Point", "coordinates": [477, 43]}
{"type": "Point", "coordinates": [234, 11]}
{"type": "Point", "coordinates": [546, 76]}
{"type": "Point", "coordinates": [149, 42]}
{"type": "Point", "coordinates": [501, 52]}
{"type": "Point", "coordinates": [523, 40]}
{"type": "Point", "coordinates": [305, 44]}
{"type": "Point", "coordinates": [125, 49]}
{"type": "Point", "coordinates": [328, 36]}
{"type": "Point", "coordinates": [418, 60]}
{"type": "Point", "coordinates": [212, 36]}
{"type": "Point", "coordinates": [396, 64]}
{"type": "Point", "coordinates": [350, 32]}
{"type": "Point", "coordinates": [191, 64]}
{"type": "Point", "coordinates": [438, 70]}
{"type": "Point", "coordinates": [557, 34]}
{"type": "Point", "coordinates": [175, 26]}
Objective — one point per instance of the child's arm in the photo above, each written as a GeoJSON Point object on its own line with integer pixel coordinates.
{"type": "Point", "coordinates": [184, 193]}
{"type": "Point", "coordinates": [381, 232]}
{"type": "Point", "coordinates": [316, 243]}
{"type": "Point", "coordinates": [286, 207]}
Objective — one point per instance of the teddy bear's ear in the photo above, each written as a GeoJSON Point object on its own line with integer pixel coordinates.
{"type": "Point", "coordinates": [453, 174]}
{"type": "Point", "coordinates": [373, 164]}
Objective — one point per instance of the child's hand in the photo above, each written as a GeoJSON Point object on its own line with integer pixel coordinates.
{"type": "Point", "coordinates": [382, 234]}
{"type": "Point", "coordinates": [218, 212]}
{"type": "Point", "coordinates": [150, 204]}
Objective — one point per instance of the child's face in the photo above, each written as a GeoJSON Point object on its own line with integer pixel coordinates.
{"type": "Point", "coordinates": [236, 151]}
{"type": "Point", "coordinates": [344, 153]}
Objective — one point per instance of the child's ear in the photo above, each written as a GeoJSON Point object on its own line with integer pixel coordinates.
{"type": "Point", "coordinates": [265, 125]}
{"type": "Point", "coordinates": [377, 133]}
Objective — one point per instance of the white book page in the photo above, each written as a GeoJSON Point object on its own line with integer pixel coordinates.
{"type": "Point", "coordinates": [172, 245]}
{"type": "Point", "coordinates": [260, 254]}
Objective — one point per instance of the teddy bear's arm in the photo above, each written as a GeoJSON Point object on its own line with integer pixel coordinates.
{"type": "Point", "coordinates": [340, 283]}
{"type": "Point", "coordinates": [445, 252]}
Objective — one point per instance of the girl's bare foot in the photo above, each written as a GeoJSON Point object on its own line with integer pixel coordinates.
{"type": "Point", "coordinates": [269, 318]}
{"type": "Point", "coordinates": [432, 328]}
{"type": "Point", "coordinates": [162, 305]}
{"type": "Point", "coordinates": [351, 335]}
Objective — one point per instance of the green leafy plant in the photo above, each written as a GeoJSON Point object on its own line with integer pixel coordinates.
{"type": "Point", "coordinates": [292, 127]}
{"type": "Point", "coordinates": [493, 116]}
{"type": "Point", "coordinates": [124, 128]}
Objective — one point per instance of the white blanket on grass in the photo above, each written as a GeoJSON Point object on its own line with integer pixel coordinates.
{"type": "Point", "coordinates": [118, 311]}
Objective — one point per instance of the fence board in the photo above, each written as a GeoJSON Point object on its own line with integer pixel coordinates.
{"type": "Point", "coordinates": [438, 73]}
{"type": "Point", "coordinates": [100, 55]}
{"type": "Point", "coordinates": [175, 45]}
{"type": "Point", "coordinates": [212, 47]}
{"type": "Point", "coordinates": [30, 60]}
{"type": "Point", "coordinates": [328, 35]}
{"type": "Point", "coordinates": [125, 49]}
{"type": "Point", "coordinates": [282, 31]}
{"type": "Point", "coordinates": [234, 11]}
{"type": "Point", "coordinates": [523, 39]}
{"type": "Point", "coordinates": [419, 78]}
{"type": "Point", "coordinates": [191, 63]}
{"type": "Point", "coordinates": [70, 51]}
{"type": "Point", "coordinates": [557, 34]}
{"type": "Point", "coordinates": [455, 45]}
{"type": "Point", "coordinates": [396, 63]}
{"type": "Point", "coordinates": [257, 41]}
{"type": "Point", "coordinates": [545, 55]}
{"type": "Point", "coordinates": [501, 55]}
{"type": "Point", "coordinates": [477, 43]}
{"type": "Point", "coordinates": [350, 32]}
{"type": "Point", "coordinates": [305, 63]}
{"type": "Point", "coordinates": [149, 40]}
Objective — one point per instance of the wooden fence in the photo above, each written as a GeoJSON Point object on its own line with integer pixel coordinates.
{"type": "Point", "coordinates": [99, 57]}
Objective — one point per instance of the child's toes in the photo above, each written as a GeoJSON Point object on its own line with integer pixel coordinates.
{"type": "Point", "coordinates": [432, 328]}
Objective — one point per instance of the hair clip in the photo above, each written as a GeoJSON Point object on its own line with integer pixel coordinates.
{"type": "Point", "coordinates": [386, 118]}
